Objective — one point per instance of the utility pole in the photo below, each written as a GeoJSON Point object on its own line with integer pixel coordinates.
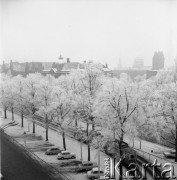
{"type": "Point", "coordinates": [99, 162]}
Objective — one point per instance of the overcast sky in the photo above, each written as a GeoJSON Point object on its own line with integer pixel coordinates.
{"type": "Point", "coordinates": [100, 30]}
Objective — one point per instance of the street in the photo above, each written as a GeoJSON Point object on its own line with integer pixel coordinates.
{"type": "Point", "coordinates": [17, 165]}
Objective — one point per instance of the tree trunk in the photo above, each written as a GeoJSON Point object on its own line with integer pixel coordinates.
{"type": "Point", "coordinates": [87, 129]}
{"type": "Point", "coordinates": [93, 125]}
{"type": "Point", "coordinates": [12, 113]}
{"type": "Point", "coordinates": [121, 153]}
{"type": "Point", "coordinates": [176, 145]}
{"type": "Point", "coordinates": [46, 120]}
{"type": "Point", "coordinates": [140, 140]}
{"type": "Point", "coordinates": [88, 152]}
{"type": "Point", "coordinates": [75, 128]}
{"type": "Point", "coordinates": [98, 163]}
{"type": "Point", "coordinates": [5, 113]}
{"type": "Point", "coordinates": [120, 167]}
{"type": "Point", "coordinates": [22, 119]}
{"type": "Point", "coordinates": [81, 151]}
{"type": "Point", "coordinates": [76, 123]}
{"type": "Point", "coordinates": [64, 142]}
{"type": "Point", "coordinates": [33, 125]}
{"type": "Point", "coordinates": [114, 175]}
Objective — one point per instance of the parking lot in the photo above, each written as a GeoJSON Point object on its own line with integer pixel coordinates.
{"type": "Point", "coordinates": [38, 146]}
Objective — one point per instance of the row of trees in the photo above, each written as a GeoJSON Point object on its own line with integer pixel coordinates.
{"type": "Point", "coordinates": [120, 106]}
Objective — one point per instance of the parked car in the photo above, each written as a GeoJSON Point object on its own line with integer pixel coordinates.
{"type": "Point", "coordinates": [53, 151]}
{"type": "Point", "coordinates": [94, 174]}
{"type": "Point", "coordinates": [170, 154]}
{"type": "Point", "coordinates": [66, 155]}
{"type": "Point", "coordinates": [86, 166]}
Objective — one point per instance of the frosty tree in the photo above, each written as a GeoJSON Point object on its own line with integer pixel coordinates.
{"type": "Point", "coordinates": [45, 92]}
{"type": "Point", "coordinates": [165, 111]}
{"type": "Point", "coordinates": [19, 87]}
{"type": "Point", "coordinates": [62, 106]}
{"type": "Point", "coordinates": [116, 105]}
{"type": "Point", "coordinates": [32, 97]}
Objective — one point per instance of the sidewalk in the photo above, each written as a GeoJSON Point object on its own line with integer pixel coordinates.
{"type": "Point", "coordinates": [56, 139]}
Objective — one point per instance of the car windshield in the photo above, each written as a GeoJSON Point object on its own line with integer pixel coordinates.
{"type": "Point", "coordinates": [65, 153]}
{"type": "Point", "coordinates": [95, 172]}
{"type": "Point", "coordinates": [87, 164]}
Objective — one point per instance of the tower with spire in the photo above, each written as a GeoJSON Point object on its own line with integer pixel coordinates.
{"type": "Point", "coordinates": [60, 57]}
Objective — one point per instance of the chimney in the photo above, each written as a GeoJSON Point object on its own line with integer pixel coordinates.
{"type": "Point", "coordinates": [67, 59]}
{"type": "Point", "coordinates": [106, 65]}
{"type": "Point", "coordinates": [84, 61]}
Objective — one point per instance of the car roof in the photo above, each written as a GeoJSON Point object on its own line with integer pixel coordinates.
{"type": "Point", "coordinates": [96, 169]}
{"type": "Point", "coordinates": [65, 152]}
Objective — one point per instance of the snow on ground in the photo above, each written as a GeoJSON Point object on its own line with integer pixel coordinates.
{"type": "Point", "coordinates": [74, 146]}
{"type": "Point", "coordinates": [56, 139]}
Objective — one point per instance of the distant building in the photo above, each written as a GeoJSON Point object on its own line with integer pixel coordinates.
{"type": "Point", "coordinates": [138, 63]}
{"type": "Point", "coordinates": [119, 64]}
{"type": "Point", "coordinates": [158, 61]}
{"type": "Point", "coordinates": [54, 68]}
{"type": "Point", "coordinates": [134, 73]}
{"type": "Point", "coordinates": [59, 69]}
{"type": "Point", "coordinates": [16, 68]}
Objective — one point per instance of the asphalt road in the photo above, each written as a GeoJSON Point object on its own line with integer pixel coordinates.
{"type": "Point", "coordinates": [16, 164]}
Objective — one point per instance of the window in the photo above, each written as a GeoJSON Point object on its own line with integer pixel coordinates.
{"type": "Point", "coordinates": [65, 153]}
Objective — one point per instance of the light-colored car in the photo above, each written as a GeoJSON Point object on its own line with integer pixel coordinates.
{"type": "Point", "coordinates": [53, 151]}
{"type": "Point", "coordinates": [86, 166]}
{"type": "Point", "coordinates": [66, 155]}
{"type": "Point", "coordinates": [94, 174]}
{"type": "Point", "coordinates": [170, 154]}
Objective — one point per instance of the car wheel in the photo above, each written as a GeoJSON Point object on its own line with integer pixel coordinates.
{"type": "Point", "coordinates": [73, 157]}
{"type": "Point", "coordinates": [62, 158]}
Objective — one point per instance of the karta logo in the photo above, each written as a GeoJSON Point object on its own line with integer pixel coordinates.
{"type": "Point", "coordinates": [133, 172]}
